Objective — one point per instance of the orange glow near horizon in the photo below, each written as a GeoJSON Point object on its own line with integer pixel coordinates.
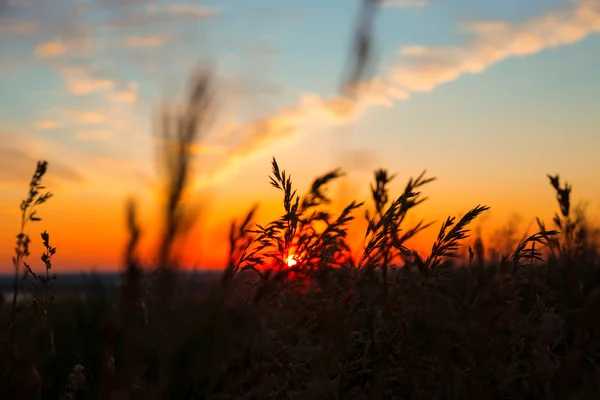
{"type": "Point", "coordinates": [87, 223]}
{"type": "Point", "coordinates": [94, 235]}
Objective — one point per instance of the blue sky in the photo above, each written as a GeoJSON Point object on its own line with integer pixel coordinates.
{"type": "Point", "coordinates": [488, 96]}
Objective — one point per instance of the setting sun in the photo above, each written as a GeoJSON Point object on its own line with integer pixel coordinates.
{"type": "Point", "coordinates": [292, 260]}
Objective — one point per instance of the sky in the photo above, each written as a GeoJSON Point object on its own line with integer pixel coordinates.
{"type": "Point", "coordinates": [488, 97]}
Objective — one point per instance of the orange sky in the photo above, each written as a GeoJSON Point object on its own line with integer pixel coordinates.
{"type": "Point", "coordinates": [89, 231]}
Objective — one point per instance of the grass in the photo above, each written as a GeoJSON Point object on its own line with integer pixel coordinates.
{"type": "Point", "coordinates": [386, 323]}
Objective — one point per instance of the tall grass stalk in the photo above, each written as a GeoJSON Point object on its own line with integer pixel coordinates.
{"type": "Point", "coordinates": [28, 209]}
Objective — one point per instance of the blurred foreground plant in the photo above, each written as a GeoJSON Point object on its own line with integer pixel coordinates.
{"type": "Point", "coordinates": [20, 376]}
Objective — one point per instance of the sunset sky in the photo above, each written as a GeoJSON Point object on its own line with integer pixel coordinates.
{"type": "Point", "coordinates": [487, 96]}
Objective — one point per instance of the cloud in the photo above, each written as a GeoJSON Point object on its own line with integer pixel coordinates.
{"type": "Point", "coordinates": [146, 41]}
{"type": "Point", "coordinates": [72, 164]}
{"type": "Point", "coordinates": [51, 49]}
{"type": "Point", "coordinates": [404, 3]}
{"type": "Point", "coordinates": [95, 135]}
{"type": "Point", "coordinates": [47, 124]}
{"type": "Point", "coordinates": [58, 47]}
{"type": "Point", "coordinates": [110, 114]}
{"type": "Point", "coordinates": [124, 96]}
{"type": "Point", "coordinates": [420, 69]}
{"type": "Point", "coordinates": [17, 166]}
{"type": "Point", "coordinates": [246, 141]}
{"type": "Point", "coordinates": [80, 82]}
{"type": "Point", "coordinates": [90, 118]}
{"type": "Point", "coordinates": [62, 24]}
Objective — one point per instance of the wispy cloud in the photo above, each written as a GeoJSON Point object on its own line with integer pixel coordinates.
{"type": "Point", "coordinates": [90, 117]}
{"type": "Point", "coordinates": [124, 96]}
{"type": "Point", "coordinates": [80, 82]}
{"type": "Point", "coordinates": [51, 49]}
{"type": "Point", "coordinates": [70, 163]}
{"type": "Point", "coordinates": [17, 165]}
{"type": "Point", "coordinates": [421, 69]}
{"type": "Point", "coordinates": [404, 3]}
{"type": "Point", "coordinates": [146, 41]}
{"type": "Point", "coordinates": [47, 124]}
{"type": "Point", "coordinates": [60, 47]}
{"type": "Point", "coordinates": [94, 135]}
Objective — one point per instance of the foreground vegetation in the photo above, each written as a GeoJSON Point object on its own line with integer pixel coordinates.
{"type": "Point", "coordinates": [296, 316]}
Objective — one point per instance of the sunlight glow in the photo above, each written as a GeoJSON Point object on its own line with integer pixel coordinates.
{"type": "Point", "coordinates": [292, 260]}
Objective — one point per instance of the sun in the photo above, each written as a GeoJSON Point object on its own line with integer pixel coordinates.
{"type": "Point", "coordinates": [292, 260]}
